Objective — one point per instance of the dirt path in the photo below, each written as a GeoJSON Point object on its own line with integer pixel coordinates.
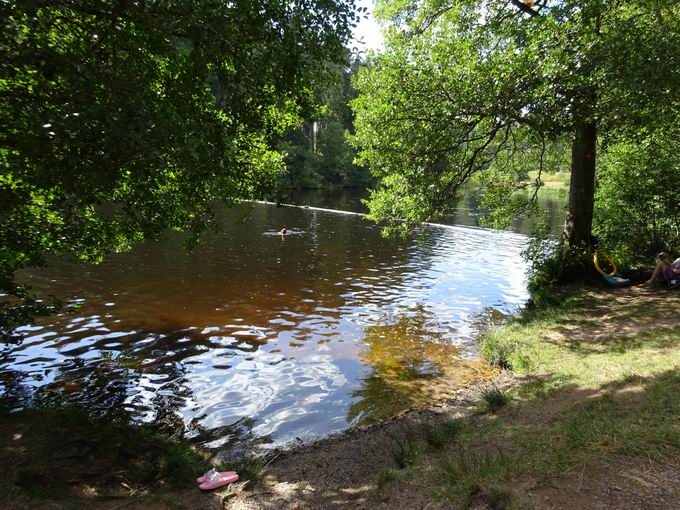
{"type": "Point", "coordinates": [340, 472]}
{"type": "Point", "coordinates": [619, 484]}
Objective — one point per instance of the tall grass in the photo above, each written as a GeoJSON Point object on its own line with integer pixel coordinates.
{"type": "Point", "coordinates": [441, 434]}
{"type": "Point", "coordinates": [470, 474]}
{"type": "Point", "coordinates": [493, 399]}
{"type": "Point", "coordinates": [404, 451]}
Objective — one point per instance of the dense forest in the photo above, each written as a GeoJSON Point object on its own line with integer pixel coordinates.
{"type": "Point", "coordinates": [318, 153]}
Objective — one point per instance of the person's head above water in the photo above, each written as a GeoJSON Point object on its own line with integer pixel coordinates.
{"type": "Point", "coordinates": [283, 231]}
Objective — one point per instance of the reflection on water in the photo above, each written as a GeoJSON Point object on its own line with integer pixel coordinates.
{"type": "Point", "coordinates": [257, 336]}
{"type": "Point", "coordinates": [467, 211]}
{"type": "Point", "coordinates": [412, 363]}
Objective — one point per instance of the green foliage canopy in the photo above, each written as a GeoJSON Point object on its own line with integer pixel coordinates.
{"type": "Point", "coordinates": [318, 152]}
{"type": "Point", "coordinates": [484, 86]}
{"type": "Point", "coordinates": [637, 210]}
{"type": "Point", "coordinates": [120, 119]}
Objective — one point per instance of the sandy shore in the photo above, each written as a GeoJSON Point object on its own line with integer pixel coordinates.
{"type": "Point", "coordinates": [340, 471]}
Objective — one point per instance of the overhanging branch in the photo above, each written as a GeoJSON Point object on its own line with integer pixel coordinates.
{"type": "Point", "coordinates": [524, 7]}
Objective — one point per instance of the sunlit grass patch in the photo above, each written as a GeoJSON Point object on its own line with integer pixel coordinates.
{"type": "Point", "coordinates": [551, 179]}
{"type": "Point", "coordinates": [657, 338]}
{"type": "Point", "coordinates": [503, 352]}
{"type": "Point", "coordinates": [556, 341]}
{"type": "Point", "coordinates": [634, 417]}
{"type": "Point", "coordinates": [643, 419]}
{"type": "Point", "coordinates": [631, 418]}
{"type": "Point", "coordinates": [610, 395]}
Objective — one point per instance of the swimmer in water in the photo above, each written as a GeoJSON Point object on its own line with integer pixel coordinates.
{"type": "Point", "coordinates": [283, 232]}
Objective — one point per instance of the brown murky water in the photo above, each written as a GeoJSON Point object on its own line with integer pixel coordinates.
{"type": "Point", "coordinates": [259, 337]}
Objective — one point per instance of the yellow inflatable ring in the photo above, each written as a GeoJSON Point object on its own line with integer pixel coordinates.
{"type": "Point", "coordinates": [609, 261]}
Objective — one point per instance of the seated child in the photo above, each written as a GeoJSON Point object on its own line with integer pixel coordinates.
{"type": "Point", "coordinates": [665, 271]}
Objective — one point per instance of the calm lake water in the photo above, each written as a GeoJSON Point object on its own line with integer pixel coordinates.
{"type": "Point", "coordinates": [467, 212]}
{"type": "Point", "coordinates": [257, 338]}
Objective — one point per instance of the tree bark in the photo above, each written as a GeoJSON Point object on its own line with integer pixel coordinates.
{"type": "Point", "coordinates": [578, 227]}
{"type": "Point", "coordinates": [579, 224]}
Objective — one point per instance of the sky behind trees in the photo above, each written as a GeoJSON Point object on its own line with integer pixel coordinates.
{"type": "Point", "coordinates": [368, 30]}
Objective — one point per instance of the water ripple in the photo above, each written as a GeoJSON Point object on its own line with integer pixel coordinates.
{"type": "Point", "coordinates": [258, 337]}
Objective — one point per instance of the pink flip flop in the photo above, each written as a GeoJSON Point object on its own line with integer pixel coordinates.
{"type": "Point", "coordinates": [204, 478]}
{"type": "Point", "coordinates": [215, 480]}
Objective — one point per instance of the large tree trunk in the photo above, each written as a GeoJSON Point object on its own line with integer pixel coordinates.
{"type": "Point", "coordinates": [578, 226]}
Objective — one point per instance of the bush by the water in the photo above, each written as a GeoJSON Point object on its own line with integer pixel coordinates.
{"type": "Point", "coordinates": [637, 206]}
{"type": "Point", "coordinates": [552, 262]}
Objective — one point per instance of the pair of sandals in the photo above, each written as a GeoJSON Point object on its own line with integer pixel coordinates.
{"type": "Point", "coordinates": [214, 479]}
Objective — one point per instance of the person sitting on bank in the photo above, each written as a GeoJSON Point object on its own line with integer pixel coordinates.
{"type": "Point", "coordinates": [665, 271]}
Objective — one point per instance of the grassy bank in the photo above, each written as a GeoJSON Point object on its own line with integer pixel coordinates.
{"type": "Point", "coordinates": [551, 179]}
{"type": "Point", "coordinates": [597, 401]}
